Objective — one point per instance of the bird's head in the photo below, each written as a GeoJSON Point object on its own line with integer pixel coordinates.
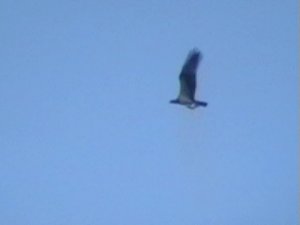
{"type": "Point", "coordinates": [174, 101]}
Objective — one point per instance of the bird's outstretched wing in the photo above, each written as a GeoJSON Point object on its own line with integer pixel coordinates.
{"type": "Point", "coordinates": [188, 73]}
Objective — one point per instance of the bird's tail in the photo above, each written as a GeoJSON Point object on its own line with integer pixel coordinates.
{"type": "Point", "coordinates": [199, 103]}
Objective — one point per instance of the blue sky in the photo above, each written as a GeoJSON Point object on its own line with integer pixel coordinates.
{"type": "Point", "coordinates": [87, 133]}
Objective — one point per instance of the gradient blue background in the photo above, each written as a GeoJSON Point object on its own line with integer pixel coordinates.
{"type": "Point", "coordinates": [87, 135]}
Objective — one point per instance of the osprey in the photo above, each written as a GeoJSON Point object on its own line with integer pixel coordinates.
{"type": "Point", "coordinates": [187, 80]}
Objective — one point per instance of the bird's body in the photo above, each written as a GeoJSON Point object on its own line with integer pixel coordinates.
{"type": "Point", "coordinates": [188, 81]}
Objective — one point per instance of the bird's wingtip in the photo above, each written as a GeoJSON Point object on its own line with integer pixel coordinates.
{"type": "Point", "coordinates": [195, 51]}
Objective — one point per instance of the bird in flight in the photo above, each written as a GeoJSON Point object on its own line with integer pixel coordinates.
{"type": "Point", "coordinates": [188, 83]}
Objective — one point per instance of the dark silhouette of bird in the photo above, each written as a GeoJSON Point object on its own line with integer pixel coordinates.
{"type": "Point", "coordinates": [188, 82]}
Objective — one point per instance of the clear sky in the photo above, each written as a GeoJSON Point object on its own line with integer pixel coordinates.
{"type": "Point", "coordinates": [87, 134]}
